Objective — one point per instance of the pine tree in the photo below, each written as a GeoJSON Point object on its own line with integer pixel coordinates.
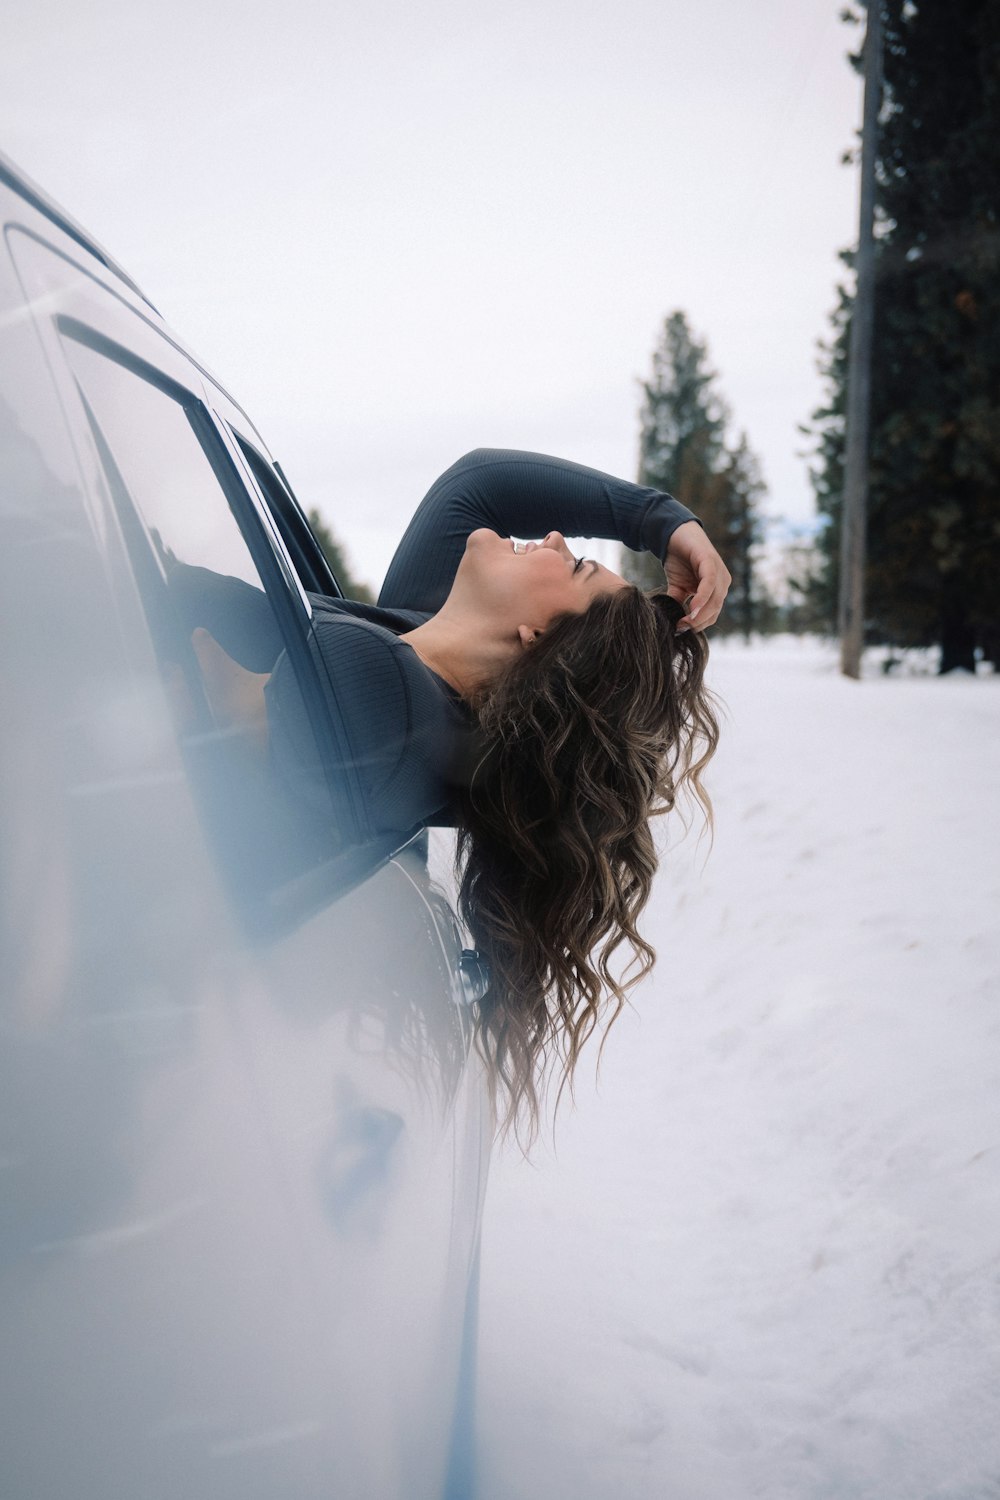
{"type": "Point", "coordinates": [684, 418]}
{"type": "Point", "coordinates": [681, 435]}
{"type": "Point", "coordinates": [934, 481]}
{"type": "Point", "coordinates": [682, 450]}
{"type": "Point", "coordinates": [820, 584]}
{"type": "Point", "coordinates": [737, 528]}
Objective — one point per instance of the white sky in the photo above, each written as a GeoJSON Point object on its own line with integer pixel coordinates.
{"type": "Point", "coordinates": [397, 232]}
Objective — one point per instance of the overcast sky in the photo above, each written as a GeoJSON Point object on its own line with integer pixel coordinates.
{"type": "Point", "coordinates": [399, 231]}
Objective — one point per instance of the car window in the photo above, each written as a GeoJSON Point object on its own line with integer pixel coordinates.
{"type": "Point", "coordinates": [307, 555]}
{"type": "Point", "coordinates": [220, 627]}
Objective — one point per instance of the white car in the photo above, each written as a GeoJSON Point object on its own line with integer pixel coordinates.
{"type": "Point", "coordinates": [243, 1133]}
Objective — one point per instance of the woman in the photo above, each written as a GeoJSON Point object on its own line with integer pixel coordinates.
{"type": "Point", "coordinates": [541, 703]}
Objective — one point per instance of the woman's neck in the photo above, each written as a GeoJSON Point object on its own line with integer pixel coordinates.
{"type": "Point", "coordinates": [458, 651]}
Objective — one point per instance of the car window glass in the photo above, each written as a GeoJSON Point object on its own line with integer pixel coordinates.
{"type": "Point", "coordinates": [215, 629]}
{"type": "Point", "coordinates": [164, 466]}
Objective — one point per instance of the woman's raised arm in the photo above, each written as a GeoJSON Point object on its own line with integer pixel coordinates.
{"type": "Point", "coordinates": [519, 494]}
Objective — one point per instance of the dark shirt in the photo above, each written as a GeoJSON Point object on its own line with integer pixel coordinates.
{"type": "Point", "coordinates": [406, 732]}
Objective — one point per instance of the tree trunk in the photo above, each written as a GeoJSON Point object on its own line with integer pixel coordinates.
{"type": "Point", "coordinates": [958, 639]}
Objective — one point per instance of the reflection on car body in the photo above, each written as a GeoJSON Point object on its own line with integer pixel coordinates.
{"type": "Point", "coordinates": [243, 1133]}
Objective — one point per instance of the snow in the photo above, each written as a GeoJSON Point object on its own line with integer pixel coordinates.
{"type": "Point", "coordinates": [764, 1256]}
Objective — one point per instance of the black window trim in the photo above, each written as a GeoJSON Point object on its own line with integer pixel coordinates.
{"type": "Point", "coordinates": [289, 519]}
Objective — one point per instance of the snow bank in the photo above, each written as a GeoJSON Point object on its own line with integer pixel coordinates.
{"type": "Point", "coordinates": [764, 1259]}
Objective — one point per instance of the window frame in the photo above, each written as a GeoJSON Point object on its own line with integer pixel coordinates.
{"type": "Point", "coordinates": [300, 541]}
{"type": "Point", "coordinates": [279, 579]}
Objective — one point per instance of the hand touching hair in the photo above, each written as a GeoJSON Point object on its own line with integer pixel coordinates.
{"type": "Point", "coordinates": [588, 735]}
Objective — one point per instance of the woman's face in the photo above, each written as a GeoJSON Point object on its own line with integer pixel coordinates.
{"type": "Point", "coordinates": [530, 587]}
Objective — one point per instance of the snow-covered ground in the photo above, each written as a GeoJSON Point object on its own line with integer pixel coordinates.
{"type": "Point", "coordinates": [764, 1258]}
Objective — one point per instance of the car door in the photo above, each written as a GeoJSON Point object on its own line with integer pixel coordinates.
{"type": "Point", "coordinates": [257, 1280]}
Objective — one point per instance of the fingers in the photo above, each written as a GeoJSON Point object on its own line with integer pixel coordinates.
{"type": "Point", "coordinates": [706, 603]}
{"type": "Point", "coordinates": [696, 575]}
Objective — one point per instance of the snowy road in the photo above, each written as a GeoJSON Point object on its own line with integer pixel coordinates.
{"type": "Point", "coordinates": [765, 1258]}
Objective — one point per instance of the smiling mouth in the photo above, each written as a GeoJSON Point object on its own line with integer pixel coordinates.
{"type": "Point", "coordinates": [519, 546]}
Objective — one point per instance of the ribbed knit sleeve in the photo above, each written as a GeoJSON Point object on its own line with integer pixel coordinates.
{"type": "Point", "coordinates": [401, 729]}
{"type": "Point", "coordinates": [520, 494]}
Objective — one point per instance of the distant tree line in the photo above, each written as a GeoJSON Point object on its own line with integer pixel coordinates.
{"type": "Point", "coordinates": [683, 450]}
{"type": "Point", "coordinates": [933, 574]}
{"type": "Point", "coordinates": [337, 558]}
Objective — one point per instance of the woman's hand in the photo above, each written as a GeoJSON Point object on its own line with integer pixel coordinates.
{"type": "Point", "coordinates": [694, 567]}
{"type": "Point", "coordinates": [235, 696]}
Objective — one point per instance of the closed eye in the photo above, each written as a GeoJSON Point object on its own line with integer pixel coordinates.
{"type": "Point", "coordinates": [580, 562]}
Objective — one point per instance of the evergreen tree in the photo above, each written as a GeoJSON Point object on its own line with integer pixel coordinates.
{"type": "Point", "coordinates": [682, 450]}
{"type": "Point", "coordinates": [736, 526]}
{"type": "Point", "coordinates": [805, 609]}
{"type": "Point", "coordinates": [683, 418]}
{"type": "Point", "coordinates": [337, 558]}
{"type": "Point", "coordinates": [682, 426]}
{"type": "Point", "coordinates": [934, 481]}
{"type": "Point", "coordinates": [819, 584]}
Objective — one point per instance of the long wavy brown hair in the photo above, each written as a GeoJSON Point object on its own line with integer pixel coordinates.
{"type": "Point", "coordinates": [591, 733]}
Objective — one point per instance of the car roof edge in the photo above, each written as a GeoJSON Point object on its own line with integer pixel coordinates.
{"type": "Point", "coordinates": [22, 184]}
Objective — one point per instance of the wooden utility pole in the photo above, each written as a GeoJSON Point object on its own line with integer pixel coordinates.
{"type": "Point", "coordinates": [851, 609]}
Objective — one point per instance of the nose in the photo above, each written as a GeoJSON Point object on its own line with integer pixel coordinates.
{"type": "Point", "coordinates": [556, 542]}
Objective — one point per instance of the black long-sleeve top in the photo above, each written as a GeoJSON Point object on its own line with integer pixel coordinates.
{"type": "Point", "coordinates": [406, 731]}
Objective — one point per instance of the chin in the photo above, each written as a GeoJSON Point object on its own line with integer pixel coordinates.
{"type": "Point", "coordinates": [482, 536]}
